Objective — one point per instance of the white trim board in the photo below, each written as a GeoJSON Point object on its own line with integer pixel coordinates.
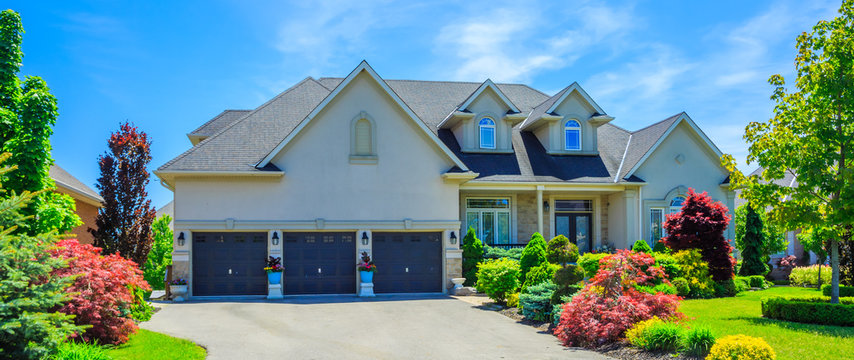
{"type": "Point", "coordinates": [363, 66]}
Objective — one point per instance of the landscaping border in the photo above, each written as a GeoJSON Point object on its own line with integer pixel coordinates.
{"type": "Point", "coordinates": [811, 310]}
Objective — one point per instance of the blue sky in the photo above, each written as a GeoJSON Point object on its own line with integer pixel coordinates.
{"type": "Point", "coordinates": [170, 66]}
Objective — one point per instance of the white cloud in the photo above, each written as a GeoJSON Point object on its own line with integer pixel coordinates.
{"type": "Point", "coordinates": [507, 44]}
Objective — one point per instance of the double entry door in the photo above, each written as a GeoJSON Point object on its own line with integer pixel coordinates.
{"type": "Point", "coordinates": [576, 227]}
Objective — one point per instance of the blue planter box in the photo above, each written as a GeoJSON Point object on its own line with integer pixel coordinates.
{"type": "Point", "coordinates": [274, 277]}
{"type": "Point", "coordinates": [367, 276]}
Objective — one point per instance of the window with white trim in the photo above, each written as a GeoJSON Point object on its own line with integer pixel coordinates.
{"type": "Point", "coordinates": [656, 225]}
{"type": "Point", "coordinates": [490, 218]}
{"type": "Point", "coordinates": [487, 133]}
{"type": "Point", "coordinates": [676, 204]}
{"type": "Point", "coordinates": [572, 135]}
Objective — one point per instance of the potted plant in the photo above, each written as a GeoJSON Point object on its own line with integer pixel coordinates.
{"type": "Point", "coordinates": [178, 288]}
{"type": "Point", "coordinates": [274, 270]}
{"type": "Point", "coordinates": [367, 268]}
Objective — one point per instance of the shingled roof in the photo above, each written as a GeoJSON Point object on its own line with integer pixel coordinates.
{"type": "Point", "coordinates": [236, 140]}
{"type": "Point", "coordinates": [68, 183]}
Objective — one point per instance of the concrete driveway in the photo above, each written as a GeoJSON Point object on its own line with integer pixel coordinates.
{"type": "Point", "coordinates": [388, 327]}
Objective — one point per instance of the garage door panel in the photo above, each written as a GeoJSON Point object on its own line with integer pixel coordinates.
{"type": "Point", "coordinates": [215, 253]}
{"type": "Point", "coordinates": [333, 253]}
{"type": "Point", "coordinates": [408, 262]}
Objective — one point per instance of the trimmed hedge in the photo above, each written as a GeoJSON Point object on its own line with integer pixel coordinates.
{"type": "Point", "coordinates": [812, 310]}
{"type": "Point", "coordinates": [844, 291]}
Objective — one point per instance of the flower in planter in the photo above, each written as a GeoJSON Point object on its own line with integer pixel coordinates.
{"type": "Point", "coordinates": [367, 264]}
{"type": "Point", "coordinates": [178, 281]}
{"type": "Point", "coordinates": [274, 264]}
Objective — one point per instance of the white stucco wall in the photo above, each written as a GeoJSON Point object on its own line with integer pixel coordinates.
{"type": "Point", "coordinates": [699, 169]}
{"type": "Point", "coordinates": [321, 182]}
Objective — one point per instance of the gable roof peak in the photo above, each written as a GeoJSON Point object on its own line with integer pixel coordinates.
{"type": "Point", "coordinates": [488, 84]}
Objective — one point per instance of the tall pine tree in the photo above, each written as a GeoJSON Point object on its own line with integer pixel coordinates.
{"type": "Point", "coordinates": [124, 223]}
{"type": "Point", "coordinates": [752, 260]}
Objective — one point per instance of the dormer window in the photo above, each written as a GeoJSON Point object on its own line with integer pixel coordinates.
{"type": "Point", "coordinates": [572, 135]}
{"type": "Point", "coordinates": [487, 133]}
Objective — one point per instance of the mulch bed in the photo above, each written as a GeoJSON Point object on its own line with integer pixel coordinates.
{"type": "Point", "coordinates": [619, 350]}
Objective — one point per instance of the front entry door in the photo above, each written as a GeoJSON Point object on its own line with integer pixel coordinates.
{"type": "Point", "coordinates": [576, 227]}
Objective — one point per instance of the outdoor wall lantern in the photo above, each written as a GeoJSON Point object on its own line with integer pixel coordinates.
{"type": "Point", "coordinates": [364, 238]}
{"type": "Point", "coordinates": [453, 238]}
{"type": "Point", "coordinates": [546, 205]}
{"type": "Point", "coordinates": [275, 238]}
{"type": "Point", "coordinates": [181, 239]}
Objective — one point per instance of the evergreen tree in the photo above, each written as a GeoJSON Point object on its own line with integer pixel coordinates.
{"type": "Point", "coordinates": [124, 223]}
{"type": "Point", "coordinates": [752, 260]}
{"type": "Point", "coordinates": [30, 327]}
{"type": "Point", "coordinates": [472, 255]}
{"type": "Point", "coordinates": [534, 254]}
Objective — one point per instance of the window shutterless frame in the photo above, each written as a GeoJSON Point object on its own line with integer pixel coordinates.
{"type": "Point", "coordinates": [486, 129]}
{"type": "Point", "coordinates": [490, 218]}
{"type": "Point", "coordinates": [572, 135]}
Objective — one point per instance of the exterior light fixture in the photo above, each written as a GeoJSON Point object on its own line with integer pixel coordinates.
{"type": "Point", "coordinates": [181, 239]}
{"type": "Point", "coordinates": [364, 238]}
{"type": "Point", "coordinates": [546, 205]}
{"type": "Point", "coordinates": [453, 238]}
{"type": "Point", "coordinates": [275, 238]}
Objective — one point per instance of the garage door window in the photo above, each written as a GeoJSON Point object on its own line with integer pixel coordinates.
{"type": "Point", "coordinates": [490, 217]}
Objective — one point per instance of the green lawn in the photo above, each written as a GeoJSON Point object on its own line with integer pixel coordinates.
{"type": "Point", "coordinates": [150, 345]}
{"type": "Point", "coordinates": [743, 315]}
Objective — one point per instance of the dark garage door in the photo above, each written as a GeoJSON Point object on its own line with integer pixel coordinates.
{"type": "Point", "coordinates": [408, 262]}
{"type": "Point", "coordinates": [320, 263]}
{"type": "Point", "coordinates": [229, 263]}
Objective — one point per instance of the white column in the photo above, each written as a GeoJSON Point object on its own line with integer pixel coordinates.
{"type": "Point", "coordinates": [364, 289]}
{"type": "Point", "coordinates": [275, 240]}
{"type": "Point", "coordinates": [632, 233]}
{"type": "Point", "coordinates": [540, 208]}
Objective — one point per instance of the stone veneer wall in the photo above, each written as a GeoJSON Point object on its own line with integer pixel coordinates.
{"type": "Point", "coordinates": [453, 269]}
{"type": "Point", "coordinates": [603, 216]}
{"type": "Point", "coordinates": [526, 217]}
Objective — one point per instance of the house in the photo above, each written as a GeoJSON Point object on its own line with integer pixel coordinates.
{"type": "Point", "coordinates": [334, 167]}
{"type": "Point", "coordinates": [86, 201]}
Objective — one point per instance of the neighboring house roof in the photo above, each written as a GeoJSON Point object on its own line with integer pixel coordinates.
{"type": "Point", "coordinates": [69, 184]}
{"type": "Point", "coordinates": [168, 209]}
{"type": "Point", "coordinates": [789, 180]}
{"type": "Point", "coordinates": [253, 138]}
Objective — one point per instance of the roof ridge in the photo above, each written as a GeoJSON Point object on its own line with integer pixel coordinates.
{"type": "Point", "coordinates": [215, 135]}
{"type": "Point", "coordinates": [221, 114]}
{"type": "Point", "coordinates": [446, 81]}
{"type": "Point", "coordinates": [658, 122]}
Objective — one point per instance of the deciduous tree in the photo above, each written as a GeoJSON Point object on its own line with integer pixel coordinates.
{"type": "Point", "coordinates": [124, 223]}
{"type": "Point", "coordinates": [160, 255]}
{"type": "Point", "coordinates": [810, 136]}
{"type": "Point", "coordinates": [701, 225]}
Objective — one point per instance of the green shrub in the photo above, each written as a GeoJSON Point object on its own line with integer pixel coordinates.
{"type": "Point", "coordinates": [667, 263]}
{"type": "Point", "coordinates": [696, 272]}
{"type": "Point", "coordinates": [563, 292]}
{"type": "Point", "coordinates": [681, 285]}
{"type": "Point", "coordinates": [498, 278]}
{"type": "Point", "coordinates": [160, 255]}
{"type": "Point", "coordinates": [534, 254]}
{"type": "Point", "coordinates": [742, 283]}
{"type": "Point", "coordinates": [661, 248]}
{"type": "Point", "coordinates": [590, 263]}
{"type": "Point", "coordinates": [758, 281]}
{"type": "Point", "coordinates": [140, 310]}
{"type": "Point", "coordinates": [663, 336]}
{"type": "Point", "coordinates": [472, 255]}
{"type": "Point", "coordinates": [513, 300]}
{"type": "Point", "coordinates": [808, 275]}
{"type": "Point", "coordinates": [667, 289]}
{"type": "Point", "coordinates": [812, 310]}
{"type": "Point", "coordinates": [641, 246]}
{"type": "Point", "coordinates": [741, 347]}
{"type": "Point", "coordinates": [540, 274]}
{"type": "Point", "coordinates": [490, 252]}
{"type": "Point", "coordinates": [634, 335]}
{"type": "Point", "coordinates": [844, 291]}
{"type": "Point", "coordinates": [79, 351]}
{"type": "Point", "coordinates": [560, 251]}
{"type": "Point", "coordinates": [569, 275]}
{"type": "Point", "coordinates": [725, 288]}
{"type": "Point", "coordinates": [780, 282]}
{"type": "Point", "coordinates": [557, 310]}
{"type": "Point", "coordinates": [536, 302]}
{"type": "Point", "coordinates": [698, 341]}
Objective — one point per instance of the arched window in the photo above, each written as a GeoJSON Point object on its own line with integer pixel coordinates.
{"type": "Point", "coordinates": [676, 204]}
{"type": "Point", "coordinates": [572, 135]}
{"type": "Point", "coordinates": [363, 138]}
{"type": "Point", "coordinates": [487, 133]}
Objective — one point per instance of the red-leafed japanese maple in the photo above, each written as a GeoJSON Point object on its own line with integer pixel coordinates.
{"type": "Point", "coordinates": [103, 296]}
{"type": "Point", "coordinates": [609, 304]}
{"type": "Point", "coordinates": [701, 225]}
